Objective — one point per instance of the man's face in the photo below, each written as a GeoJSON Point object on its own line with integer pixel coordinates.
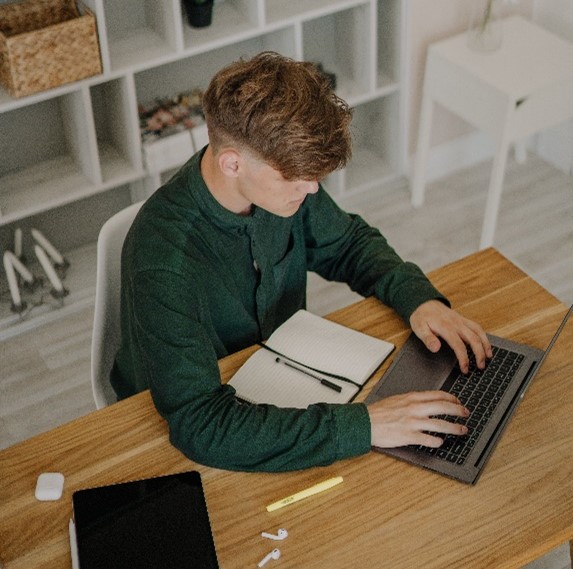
{"type": "Point", "coordinates": [265, 187]}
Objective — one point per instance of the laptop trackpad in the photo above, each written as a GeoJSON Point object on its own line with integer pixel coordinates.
{"type": "Point", "coordinates": [415, 368]}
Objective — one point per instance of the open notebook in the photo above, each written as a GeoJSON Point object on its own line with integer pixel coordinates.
{"type": "Point", "coordinates": [309, 359]}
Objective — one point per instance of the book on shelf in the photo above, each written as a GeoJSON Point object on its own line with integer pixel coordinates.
{"type": "Point", "coordinates": [309, 359]}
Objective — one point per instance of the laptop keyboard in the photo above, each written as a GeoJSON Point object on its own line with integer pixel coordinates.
{"type": "Point", "coordinates": [480, 391]}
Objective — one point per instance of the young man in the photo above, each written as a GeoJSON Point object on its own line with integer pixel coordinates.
{"type": "Point", "coordinates": [217, 259]}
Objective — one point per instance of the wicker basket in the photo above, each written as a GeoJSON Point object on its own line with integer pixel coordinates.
{"type": "Point", "coordinates": [46, 43]}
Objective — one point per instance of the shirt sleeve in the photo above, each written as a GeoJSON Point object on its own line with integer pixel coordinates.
{"type": "Point", "coordinates": [343, 247]}
{"type": "Point", "coordinates": [206, 421]}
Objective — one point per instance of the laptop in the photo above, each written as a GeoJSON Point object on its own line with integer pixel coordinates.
{"type": "Point", "coordinates": [491, 395]}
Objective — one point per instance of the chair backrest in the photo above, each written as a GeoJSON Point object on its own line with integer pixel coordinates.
{"type": "Point", "coordinates": [106, 329]}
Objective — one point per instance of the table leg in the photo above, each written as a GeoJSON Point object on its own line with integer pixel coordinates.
{"type": "Point", "coordinates": [520, 152]}
{"type": "Point", "coordinates": [494, 193]}
{"type": "Point", "coordinates": [421, 162]}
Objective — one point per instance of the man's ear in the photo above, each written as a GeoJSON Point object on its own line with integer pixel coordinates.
{"type": "Point", "coordinates": [229, 160]}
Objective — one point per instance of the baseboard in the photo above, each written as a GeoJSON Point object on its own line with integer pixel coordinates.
{"type": "Point", "coordinates": [555, 146]}
{"type": "Point", "coordinates": [457, 154]}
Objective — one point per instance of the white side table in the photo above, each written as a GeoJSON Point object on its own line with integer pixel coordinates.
{"type": "Point", "coordinates": [511, 93]}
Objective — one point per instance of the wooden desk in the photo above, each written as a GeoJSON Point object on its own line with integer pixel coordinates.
{"type": "Point", "coordinates": [386, 513]}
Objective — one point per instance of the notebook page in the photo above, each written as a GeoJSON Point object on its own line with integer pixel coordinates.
{"type": "Point", "coordinates": [330, 347]}
{"type": "Point", "coordinates": [262, 380]}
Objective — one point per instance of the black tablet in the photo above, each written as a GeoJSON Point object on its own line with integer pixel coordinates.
{"type": "Point", "coordinates": [154, 523]}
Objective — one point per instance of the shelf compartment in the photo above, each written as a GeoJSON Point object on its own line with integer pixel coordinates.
{"type": "Point", "coordinates": [81, 295]}
{"type": "Point", "coordinates": [77, 246]}
{"type": "Point", "coordinates": [341, 43]}
{"type": "Point", "coordinates": [48, 155]}
{"type": "Point", "coordinates": [196, 71]}
{"type": "Point", "coordinates": [231, 19]}
{"type": "Point", "coordinates": [116, 123]}
{"type": "Point", "coordinates": [140, 31]}
{"type": "Point", "coordinates": [280, 10]}
{"type": "Point", "coordinates": [145, 187]}
{"type": "Point", "coordinates": [389, 31]}
{"type": "Point", "coordinates": [375, 157]}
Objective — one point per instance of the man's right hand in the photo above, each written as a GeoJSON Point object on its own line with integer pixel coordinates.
{"type": "Point", "coordinates": [406, 419]}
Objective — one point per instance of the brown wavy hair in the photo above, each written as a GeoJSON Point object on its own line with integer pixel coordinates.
{"type": "Point", "coordinates": [281, 110]}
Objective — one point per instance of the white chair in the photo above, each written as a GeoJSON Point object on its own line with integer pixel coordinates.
{"type": "Point", "coordinates": [106, 328]}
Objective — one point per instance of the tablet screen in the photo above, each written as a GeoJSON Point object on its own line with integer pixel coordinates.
{"type": "Point", "coordinates": [157, 522]}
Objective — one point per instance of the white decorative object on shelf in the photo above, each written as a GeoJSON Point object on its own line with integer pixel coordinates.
{"type": "Point", "coordinates": [168, 152]}
{"type": "Point", "coordinates": [18, 242]}
{"type": "Point", "coordinates": [58, 290]}
{"type": "Point", "coordinates": [19, 266]}
{"type": "Point", "coordinates": [17, 304]}
{"type": "Point", "coordinates": [21, 281]}
{"type": "Point", "coordinates": [54, 254]}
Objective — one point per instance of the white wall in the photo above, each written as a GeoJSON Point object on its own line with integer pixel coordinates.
{"type": "Point", "coordinates": [556, 15]}
{"type": "Point", "coordinates": [556, 144]}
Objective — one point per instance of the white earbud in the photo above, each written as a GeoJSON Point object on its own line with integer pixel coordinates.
{"type": "Point", "coordinates": [282, 534]}
{"type": "Point", "coordinates": [274, 554]}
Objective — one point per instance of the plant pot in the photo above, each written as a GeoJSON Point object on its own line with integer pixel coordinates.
{"type": "Point", "coordinates": [199, 15]}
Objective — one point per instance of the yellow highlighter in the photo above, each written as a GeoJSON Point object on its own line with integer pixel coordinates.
{"type": "Point", "coordinates": [320, 487]}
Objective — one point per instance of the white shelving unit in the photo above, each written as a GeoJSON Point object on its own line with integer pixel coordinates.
{"type": "Point", "coordinates": [81, 140]}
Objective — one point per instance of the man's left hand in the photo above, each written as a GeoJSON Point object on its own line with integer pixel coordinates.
{"type": "Point", "coordinates": [434, 320]}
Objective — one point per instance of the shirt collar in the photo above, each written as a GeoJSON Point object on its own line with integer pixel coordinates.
{"type": "Point", "coordinates": [210, 207]}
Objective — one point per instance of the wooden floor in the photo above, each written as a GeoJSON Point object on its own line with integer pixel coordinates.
{"type": "Point", "coordinates": [44, 374]}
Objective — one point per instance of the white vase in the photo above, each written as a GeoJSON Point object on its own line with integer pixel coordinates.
{"type": "Point", "coordinates": [485, 31]}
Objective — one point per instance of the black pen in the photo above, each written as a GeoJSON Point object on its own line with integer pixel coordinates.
{"type": "Point", "coordinates": [324, 382]}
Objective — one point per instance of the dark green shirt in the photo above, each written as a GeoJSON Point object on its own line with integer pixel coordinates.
{"type": "Point", "coordinates": [200, 282]}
